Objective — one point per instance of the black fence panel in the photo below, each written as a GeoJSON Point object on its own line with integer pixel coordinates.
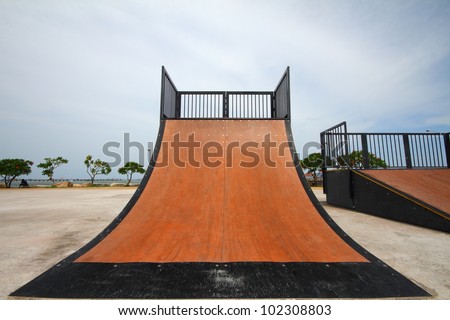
{"type": "Point", "coordinates": [282, 105]}
{"type": "Point", "coordinates": [169, 94]}
{"type": "Point", "coordinates": [383, 150]}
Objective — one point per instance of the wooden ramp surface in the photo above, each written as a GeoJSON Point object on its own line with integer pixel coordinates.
{"type": "Point", "coordinates": [226, 208]}
{"type": "Point", "coordinates": [431, 186]}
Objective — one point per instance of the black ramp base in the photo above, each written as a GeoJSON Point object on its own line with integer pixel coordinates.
{"type": "Point", "coordinates": [353, 189]}
{"type": "Point", "coordinates": [231, 280]}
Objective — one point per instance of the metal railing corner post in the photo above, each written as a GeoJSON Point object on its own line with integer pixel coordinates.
{"type": "Point", "coordinates": [407, 150]}
{"type": "Point", "coordinates": [446, 137]}
{"type": "Point", "coordinates": [178, 106]}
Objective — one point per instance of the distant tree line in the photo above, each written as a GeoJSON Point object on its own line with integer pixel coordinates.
{"type": "Point", "coordinates": [10, 169]}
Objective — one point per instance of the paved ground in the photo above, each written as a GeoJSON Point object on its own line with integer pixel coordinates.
{"type": "Point", "coordinates": [39, 227]}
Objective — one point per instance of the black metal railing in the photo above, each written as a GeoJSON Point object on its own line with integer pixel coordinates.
{"type": "Point", "coordinates": [384, 150]}
{"type": "Point", "coordinates": [169, 96]}
{"type": "Point", "coordinates": [225, 104]}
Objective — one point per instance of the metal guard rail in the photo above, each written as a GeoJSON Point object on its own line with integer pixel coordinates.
{"type": "Point", "coordinates": [177, 104]}
{"type": "Point", "coordinates": [396, 150]}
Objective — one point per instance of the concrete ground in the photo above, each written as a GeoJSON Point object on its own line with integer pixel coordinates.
{"type": "Point", "coordinates": [39, 227]}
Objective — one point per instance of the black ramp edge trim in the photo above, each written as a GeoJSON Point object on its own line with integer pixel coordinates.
{"type": "Point", "coordinates": [334, 226]}
{"type": "Point", "coordinates": [211, 280]}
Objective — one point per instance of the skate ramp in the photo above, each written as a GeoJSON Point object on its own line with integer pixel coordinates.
{"type": "Point", "coordinates": [224, 216]}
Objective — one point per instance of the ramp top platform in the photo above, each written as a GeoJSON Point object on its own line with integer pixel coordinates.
{"type": "Point", "coordinates": [177, 104]}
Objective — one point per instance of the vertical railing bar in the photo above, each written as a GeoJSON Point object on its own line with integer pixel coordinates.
{"type": "Point", "coordinates": [232, 106]}
{"type": "Point", "coordinates": [257, 98]}
{"type": "Point", "coordinates": [202, 105]}
{"type": "Point", "coordinates": [394, 144]}
{"type": "Point", "coordinates": [430, 150]}
{"type": "Point", "coordinates": [421, 151]}
{"type": "Point", "coordinates": [400, 162]}
{"type": "Point", "coordinates": [259, 106]}
{"type": "Point", "coordinates": [391, 150]}
{"type": "Point", "coordinates": [433, 154]}
{"type": "Point", "coordinates": [206, 107]}
{"type": "Point", "coordinates": [434, 150]}
{"type": "Point", "coordinates": [439, 148]}
{"type": "Point", "coordinates": [380, 144]}
{"type": "Point", "coordinates": [386, 149]}
{"type": "Point", "coordinates": [397, 152]}
{"type": "Point", "coordinates": [215, 101]}
{"type": "Point", "coordinates": [186, 105]}
{"type": "Point", "coordinates": [197, 102]}
{"type": "Point", "coordinates": [194, 101]}
{"type": "Point", "coordinates": [186, 112]}
{"type": "Point", "coordinates": [199, 106]}
{"type": "Point", "coordinates": [211, 96]}
{"type": "Point", "coordinates": [194, 106]}
{"type": "Point", "coordinates": [424, 152]}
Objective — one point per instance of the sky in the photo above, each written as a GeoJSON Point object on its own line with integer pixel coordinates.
{"type": "Point", "coordinates": [75, 75]}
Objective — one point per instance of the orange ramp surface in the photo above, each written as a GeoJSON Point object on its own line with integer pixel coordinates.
{"type": "Point", "coordinates": [225, 227]}
{"type": "Point", "coordinates": [227, 213]}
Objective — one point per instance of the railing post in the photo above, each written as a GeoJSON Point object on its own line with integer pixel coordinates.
{"type": "Point", "coordinates": [446, 137]}
{"type": "Point", "coordinates": [273, 106]}
{"type": "Point", "coordinates": [324, 162]}
{"type": "Point", "coordinates": [163, 74]}
{"type": "Point", "coordinates": [225, 105]}
{"type": "Point", "coordinates": [178, 106]}
{"type": "Point", "coordinates": [365, 151]}
{"type": "Point", "coordinates": [407, 151]}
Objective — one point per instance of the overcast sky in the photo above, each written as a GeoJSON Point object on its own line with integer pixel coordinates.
{"type": "Point", "coordinates": [77, 74]}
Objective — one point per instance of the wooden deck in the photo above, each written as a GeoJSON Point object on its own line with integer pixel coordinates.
{"type": "Point", "coordinates": [222, 211]}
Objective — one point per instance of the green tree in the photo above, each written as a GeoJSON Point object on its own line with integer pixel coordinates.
{"type": "Point", "coordinates": [96, 167]}
{"type": "Point", "coordinates": [356, 160]}
{"type": "Point", "coordinates": [12, 168]}
{"type": "Point", "coordinates": [50, 165]}
{"type": "Point", "coordinates": [313, 164]}
{"type": "Point", "coordinates": [130, 168]}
